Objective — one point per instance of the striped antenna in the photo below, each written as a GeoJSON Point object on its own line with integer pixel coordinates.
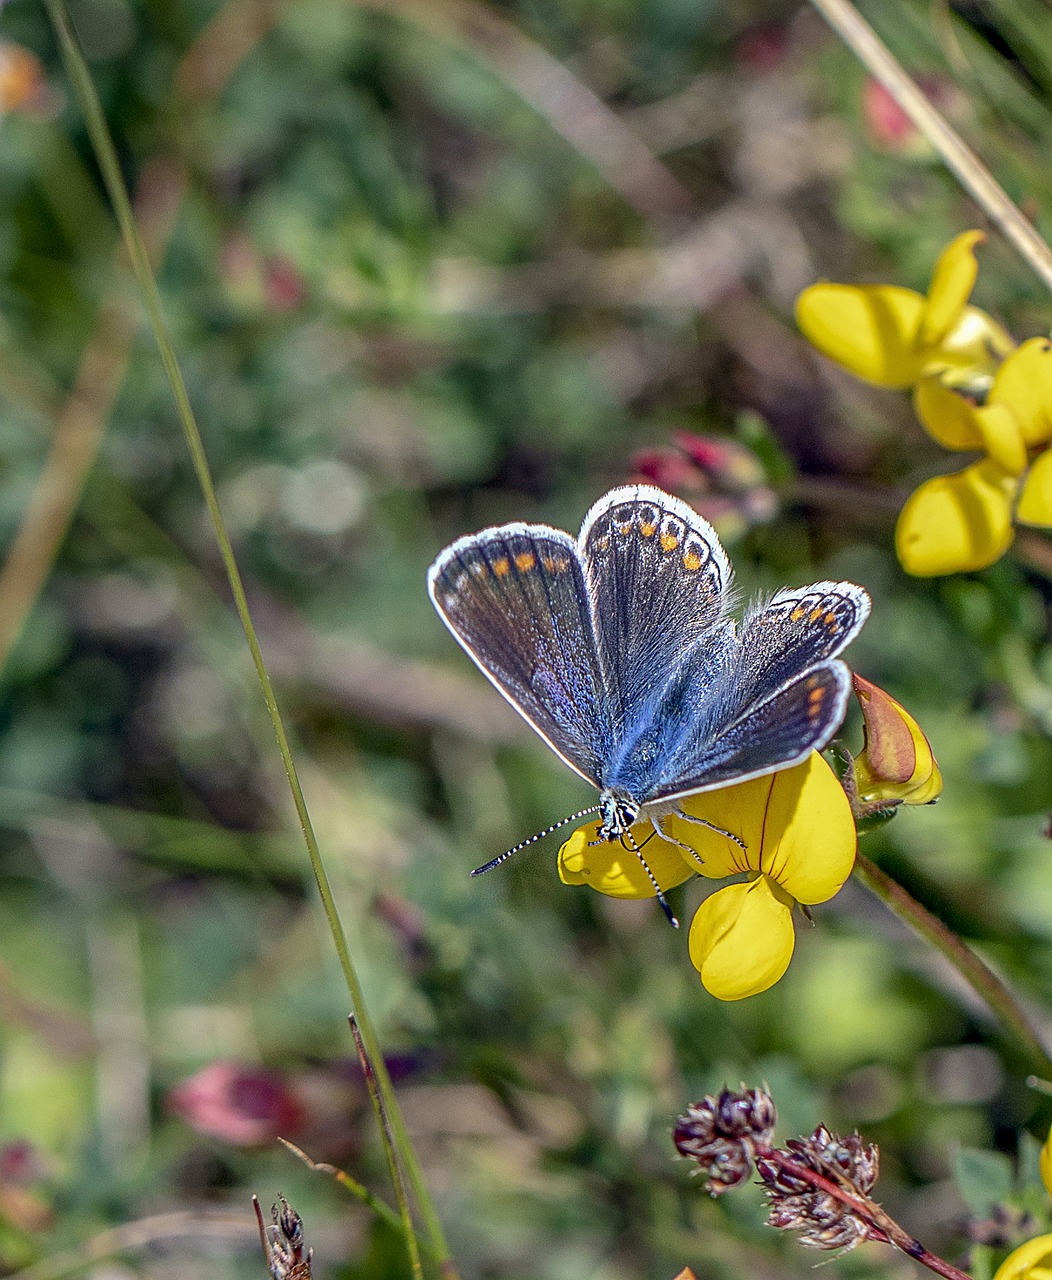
{"type": "Point", "coordinates": [525, 844]}
{"type": "Point", "coordinates": [652, 878]}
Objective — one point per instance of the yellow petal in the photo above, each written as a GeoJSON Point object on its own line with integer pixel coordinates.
{"type": "Point", "coordinates": [796, 825]}
{"type": "Point", "coordinates": [1046, 1164]}
{"type": "Point", "coordinates": [741, 940]}
{"type": "Point", "coordinates": [976, 343]}
{"type": "Point", "coordinates": [957, 523]}
{"type": "Point", "coordinates": [740, 809]}
{"type": "Point", "coordinates": [1035, 500]}
{"type": "Point", "coordinates": [809, 833]}
{"type": "Point", "coordinates": [946, 415]}
{"type": "Point", "coordinates": [1002, 438]}
{"type": "Point", "coordinates": [1024, 384]}
{"type": "Point", "coordinates": [617, 871]}
{"type": "Point", "coordinates": [951, 285]}
{"type": "Point", "coordinates": [1031, 1261]}
{"type": "Point", "coordinates": [870, 330]}
{"type": "Point", "coordinates": [897, 762]}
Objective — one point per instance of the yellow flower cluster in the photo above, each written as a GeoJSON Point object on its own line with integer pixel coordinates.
{"type": "Point", "coordinates": [974, 390]}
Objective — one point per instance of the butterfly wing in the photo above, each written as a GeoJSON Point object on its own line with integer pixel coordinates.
{"type": "Point", "coordinates": [658, 579]}
{"type": "Point", "coordinates": [784, 696]}
{"type": "Point", "coordinates": [799, 627]}
{"type": "Point", "coordinates": [775, 734]}
{"type": "Point", "coordinates": [515, 597]}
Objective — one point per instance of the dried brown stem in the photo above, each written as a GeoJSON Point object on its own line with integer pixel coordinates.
{"type": "Point", "coordinates": [958, 157]}
{"type": "Point", "coordinates": [193, 1223]}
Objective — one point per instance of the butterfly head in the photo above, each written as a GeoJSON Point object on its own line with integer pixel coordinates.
{"type": "Point", "coordinates": [618, 812]}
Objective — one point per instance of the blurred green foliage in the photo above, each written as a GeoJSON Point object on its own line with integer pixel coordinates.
{"type": "Point", "coordinates": [409, 302]}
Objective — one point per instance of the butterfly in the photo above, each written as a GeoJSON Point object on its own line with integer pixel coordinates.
{"type": "Point", "coordinates": [619, 649]}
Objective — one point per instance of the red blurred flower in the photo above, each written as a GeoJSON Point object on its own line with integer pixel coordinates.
{"type": "Point", "coordinates": [721, 478]}
{"type": "Point", "coordinates": [240, 1103]}
{"type": "Point", "coordinates": [890, 127]}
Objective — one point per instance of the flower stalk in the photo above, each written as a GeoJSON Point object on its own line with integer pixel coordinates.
{"type": "Point", "coordinates": [983, 981]}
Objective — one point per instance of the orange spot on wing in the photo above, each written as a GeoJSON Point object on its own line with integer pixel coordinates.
{"type": "Point", "coordinates": [525, 561]}
{"type": "Point", "coordinates": [831, 621]}
{"type": "Point", "coordinates": [692, 561]}
{"type": "Point", "coordinates": [647, 530]}
{"type": "Point", "coordinates": [815, 615]}
{"type": "Point", "coordinates": [669, 542]}
{"type": "Point", "coordinates": [797, 613]}
{"type": "Point", "coordinates": [502, 567]}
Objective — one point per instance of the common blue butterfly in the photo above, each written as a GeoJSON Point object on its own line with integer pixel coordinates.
{"type": "Point", "coordinates": [618, 648]}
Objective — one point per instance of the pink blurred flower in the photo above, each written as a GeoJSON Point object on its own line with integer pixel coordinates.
{"type": "Point", "coordinates": [763, 48]}
{"type": "Point", "coordinates": [283, 286]}
{"type": "Point", "coordinates": [721, 478]}
{"type": "Point", "coordinates": [888, 126]}
{"type": "Point", "coordinates": [240, 1103]}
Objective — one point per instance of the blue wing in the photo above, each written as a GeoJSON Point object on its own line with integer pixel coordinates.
{"type": "Point", "coordinates": [775, 694]}
{"type": "Point", "coordinates": [773, 734]}
{"type": "Point", "coordinates": [658, 579]}
{"type": "Point", "coordinates": [515, 598]}
{"type": "Point", "coordinates": [799, 627]}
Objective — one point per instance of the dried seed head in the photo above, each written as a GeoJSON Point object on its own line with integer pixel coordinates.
{"type": "Point", "coordinates": [282, 1240]}
{"type": "Point", "coordinates": [721, 1134]}
{"type": "Point", "coordinates": [751, 1112]}
{"type": "Point", "coordinates": [797, 1204]}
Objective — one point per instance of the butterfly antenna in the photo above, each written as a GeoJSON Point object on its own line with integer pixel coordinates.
{"type": "Point", "coordinates": [653, 880]}
{"type": "Point", "coordinates": [525, 844]}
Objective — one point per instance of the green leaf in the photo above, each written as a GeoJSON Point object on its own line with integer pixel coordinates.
{"type": "Point", "coordinates": [984, 1179]}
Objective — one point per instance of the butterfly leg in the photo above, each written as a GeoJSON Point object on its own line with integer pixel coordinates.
{"type": "Point", "coordinates": [702, 822]}
{"type": "Point", "coordinates": [662, 834]}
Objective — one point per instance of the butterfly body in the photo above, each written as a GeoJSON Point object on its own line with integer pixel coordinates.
{"type": "Point", "coordinates": [618, 648]}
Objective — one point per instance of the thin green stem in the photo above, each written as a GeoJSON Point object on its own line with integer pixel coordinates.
{"type": "Point", "coordinates": [105, 153]}
{"type": "Point", "coordinates": [380, 1207]}
{"type": "Point", "coordinates": [389, 1149]}
{"type": "Point", "coordinates": [983, 981]}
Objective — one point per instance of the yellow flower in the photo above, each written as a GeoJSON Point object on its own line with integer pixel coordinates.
{"type": "Point", "coordinates": [963, 521]}
{"type": "Point", "coordinates": [893, 336]}
{"type": "Point", "coordinates": [799, 839]}
{"type": "Point", "coordinates": [897, 765]}
{"type": "Point", "coordinates": [974, 391]}
{"type": "Point", "coordinates": [1033, 1260]}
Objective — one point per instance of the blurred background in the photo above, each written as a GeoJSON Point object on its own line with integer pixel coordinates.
{"type": "Point", "coordinates": [429, 265]}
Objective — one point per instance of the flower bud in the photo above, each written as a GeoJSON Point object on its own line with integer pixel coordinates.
{"type": "Point", "coordinates": [897, 765]}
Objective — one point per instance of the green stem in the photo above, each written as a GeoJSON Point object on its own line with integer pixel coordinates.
{"type": "Point", "coordinates": [389, 1149]}
{"type": "Point", "coordinates": [357, 1189]}
{"type": "Point", "coordinates": [983, 981]}
{"type": "Point", "coordinates": [105, 153]}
